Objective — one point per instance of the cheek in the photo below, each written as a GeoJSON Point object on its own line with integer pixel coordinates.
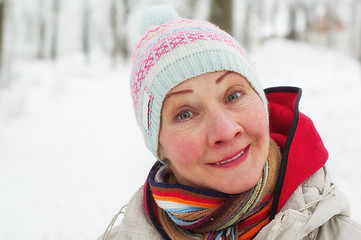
{"type": "Point", "coordinates": [182, 150]}
{"type": "Point", "coordinates": [258, 122]}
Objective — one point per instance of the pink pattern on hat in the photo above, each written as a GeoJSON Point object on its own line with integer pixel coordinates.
{"type": "Point", "coordinates": [161, 39]}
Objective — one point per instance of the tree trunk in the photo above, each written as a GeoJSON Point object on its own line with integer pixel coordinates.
{"type": "Point", "coordinates": [307, 30]}
{"type": "Point", "coordinates": [54, 37]}
{"type": "Point", "coordinates": [292, 20]}
{"type": "Point", "coordinates": [42, 31]}
{"type": "Point", "coordinates": [221, 14]}
{"type": "Point", "coordinates": [359, 33]}
{"type": "Point", "coordinates": [6, 46]}
{"type": "Point", "coordinates": [192, 8]}
{"type": "Point", "coordinates": [247, 23]}
{"type": "Point", "coordinates": [114, 30]}
{"type": "Point", "coordinates": [356, 28]}
{"type": "Point", "coordinates": [2, 20]}
{"type": "Point", "coordinates": [274, 12]}
{"type": "Point", "coordinates": [330, 22]}
{"type": "Point", "coordinates": [123, 39]}
{"type": "Point", "coordinates": [85, 31]}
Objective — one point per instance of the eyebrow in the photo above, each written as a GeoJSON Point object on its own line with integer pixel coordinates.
{"type": "Point", "coordinates": [179, 92]}
{"type": "Point", "coordinates": [190, 90]}
{"type": "Point", "coordinates": [222, 77]}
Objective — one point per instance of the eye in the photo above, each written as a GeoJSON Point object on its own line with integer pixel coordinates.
{"type": "Point", "coordinates": [184, 115]}
{"type": "Point", "coordinates": [233, 97]}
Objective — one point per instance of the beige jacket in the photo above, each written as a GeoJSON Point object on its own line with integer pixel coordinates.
{"type": "Point", "coordinates": [316, 210]}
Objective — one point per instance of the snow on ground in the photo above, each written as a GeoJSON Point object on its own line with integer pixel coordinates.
{"type": "Point", "coordinates": [71, 154]}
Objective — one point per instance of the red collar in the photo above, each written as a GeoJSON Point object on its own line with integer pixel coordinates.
{"type": "Point", "coordinates": [303, 152]}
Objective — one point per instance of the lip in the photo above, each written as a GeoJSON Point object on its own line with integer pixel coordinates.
{"type": "Point", "coordinates": [234, 162]}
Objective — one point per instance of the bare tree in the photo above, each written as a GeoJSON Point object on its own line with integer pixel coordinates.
{"type": "Point", "coordinates": [7, 39]}
{"type": "Point", "coordinates": [55, 23]}
{"type": "Point", "coordinates": [299, 13]}
{"type": "Point", "coordinates": [274, 11]}
{"type": "Point", "coordinates": [292, 21]}
{"type": "Point", "coordinates": [330, 22]}
{"type": "Point", "coordinates": [119, 12]}
{"type": "Point", "coordinates": [41, 30]}
{"type": "Point", "coordinates": [250, 7]}
{"type": "Point", "coordinates": [2, 20]}
{"type": "Point", "coordinates": [355, 42]}
{"type": "Point", "coordinates": [123, 42]}
{"type": "Point", "coordinates": [358, 45]}
{"type": "Point", "coordinates": [221, 14]}
{"type": "Point", "coordinates": [86, 30]}
{"type": "Point", "coordinates": [114, 9]}
{"type": "Point", "coordinates": [308, 21]}
{"type": "Point", "coordinates": [192, 7]}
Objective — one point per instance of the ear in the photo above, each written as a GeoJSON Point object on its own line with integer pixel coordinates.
{"type": "Point", "coordinates": [161, 153]}
{"type": "Point", "coordinates": [162, 158]}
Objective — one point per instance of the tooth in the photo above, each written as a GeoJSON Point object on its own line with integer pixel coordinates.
{"type": "Point", "coordinates": [229, 160]}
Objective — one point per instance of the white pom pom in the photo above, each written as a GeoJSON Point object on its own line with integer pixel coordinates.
{"type": "Point", "coordinates": [156, 15]}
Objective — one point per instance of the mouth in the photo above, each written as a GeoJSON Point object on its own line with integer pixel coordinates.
{"type": "Point", "coordinates": [229, 162]}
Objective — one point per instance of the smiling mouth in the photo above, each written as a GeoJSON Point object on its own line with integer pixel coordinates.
{"type": "Point", "coordinates": [231, 159]}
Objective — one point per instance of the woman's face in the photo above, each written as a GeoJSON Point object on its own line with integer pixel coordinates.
{"type": "Point", "coordinates": [215, 133]}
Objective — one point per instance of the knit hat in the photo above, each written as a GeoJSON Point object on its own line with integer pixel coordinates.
{"type": "Point", "coordinates": [172, 50]}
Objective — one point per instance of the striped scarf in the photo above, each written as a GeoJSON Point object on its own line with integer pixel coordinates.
{"type": "Point", "coordinates": [191, 213]}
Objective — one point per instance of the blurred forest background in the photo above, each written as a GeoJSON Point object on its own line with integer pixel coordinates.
{"type": "Point", "coordinates": [71, 154]}
{"type": "Point", "coordinates": [49, 29]}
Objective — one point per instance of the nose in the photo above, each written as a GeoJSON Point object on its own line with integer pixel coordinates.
{"type": "Point", "coordinates": [223, 128]}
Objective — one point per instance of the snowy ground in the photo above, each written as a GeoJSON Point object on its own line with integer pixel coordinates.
{"type": "Point", "coordinates": [71, 154]}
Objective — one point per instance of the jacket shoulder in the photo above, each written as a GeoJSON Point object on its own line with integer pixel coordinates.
{"type": "Point", "coordinates": [317, 209]}
{"type": "Point", "coordinates": [338, 227]}
{"type": "Point", "coordinates": [135, 224]}
{"type": "Point", "coordinates": [329, 213]}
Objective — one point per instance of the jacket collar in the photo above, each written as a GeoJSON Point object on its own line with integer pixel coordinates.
{"type": "Point", "coordinates": [303, 152]}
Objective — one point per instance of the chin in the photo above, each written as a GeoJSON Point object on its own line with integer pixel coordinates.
{"type": "Point", "coordinates": [240, 186]}
{"type": "Point", "coordinates": [237, 190]}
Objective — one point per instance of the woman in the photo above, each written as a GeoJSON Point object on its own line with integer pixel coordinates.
{"type": "Point", "coordinates": [235, 162]}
